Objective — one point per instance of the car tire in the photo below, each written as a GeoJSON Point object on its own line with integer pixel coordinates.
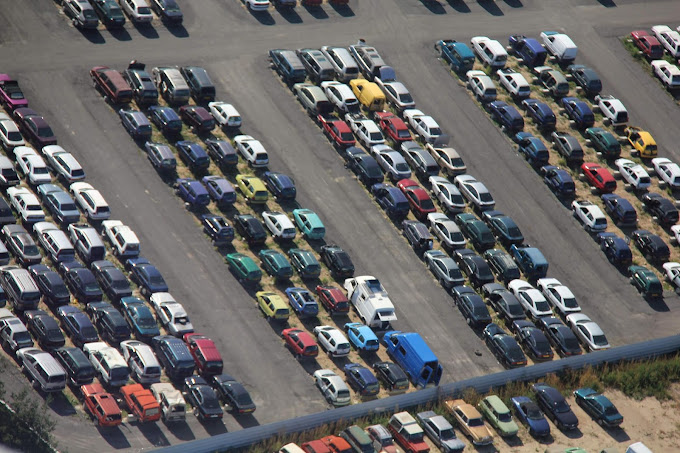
{"type": "Point", "coordinates": [469, 321]}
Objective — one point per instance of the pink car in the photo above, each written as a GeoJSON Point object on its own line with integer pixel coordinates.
{"type": "Point", "coordinates": [11, 94]}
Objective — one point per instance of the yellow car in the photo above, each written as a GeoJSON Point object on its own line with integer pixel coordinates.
{"type": "Point", "coordinates": [252, 188]}
{"type": "Point", "coordinates": [272, 305]}
{"type": "Point", "coordinates": [470, 421]}
{"type": "Point", "coordinates": [642, 141]}
{"type": "Point", "coordinates": [368, 93]}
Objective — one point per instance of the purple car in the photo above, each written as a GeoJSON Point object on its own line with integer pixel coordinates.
{"type": "Point", "coordinates": [11, 94]}
{"type": "Point", "coordinates": [34, 127]}
{"type": "Point", "coordinates": [220, 190]}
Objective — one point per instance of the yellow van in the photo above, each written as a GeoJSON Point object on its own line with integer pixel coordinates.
{"type": "Point", "coordinates": [368, 94]}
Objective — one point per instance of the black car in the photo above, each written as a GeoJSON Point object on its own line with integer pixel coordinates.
{"type": "Point", "coordinates": [45, 329]}
{"type": "Point", "coordinates": [504, 347]}
{"type": "Point", "coordinates": [233, 393]}
{"type": "Point", "coordinates": [568, 147]}
{"type": "Point", "coordinates": [503, 227]}
{"type": "Point", "coordinates": [193, 155]}
{"type": "Point", "coordinates": [662, 208]}
{"type": "Point", "coordinates": [166, 119]}
{"type": "Point", "coordinates": [251, 229]}
{"type": "Point", "coordinates": [198, 118]}
{"type": "Point", "coordinates": [392, 376]}
{"type": "Point", "coordinates": [83, 284]}
{"type": "Point", "coordinates": [144, 91]}
{"type": "Point", "coordinates": [203, 398]}
{"type": "Point", "coordinates": [551, 401]}
{"type": "Point", "coordinates": [280, 185]}
{"type": "Point", "coordinates": [337, 260]}
{"type": "Point", "coordinates": [477, 270]}
{"type": "Point", "coordinates": [560, 336]}
{"type": "Point", "coordinates": [111, 280]}
{"type": "Point", "coordinates": [459, 254]}
{"type": "Point", "coordinates": [109, 12]}
{"type": "Point", "coordinates": [417, 235]}
{"type": "Point", "coordinates": [51, 285]}
{"type": "Point", "coordinates": [77, 325]}
{"type": "Point", "coordinates": [534, 341]}
{"type": "Point", "coordinates": [174, 355]}
{"type": "Point", "coordinates": [471, 305]}
{"type": "Point", "coordinates": [202, 88]}
{"type": "Point", "coordinates": [616, 249]}
{"type": "Point", "coordinates": [503, 302]}
{"type": "Point", "coordinates": [586, 78]}
{"type": "Point", "coordinates": [502, 265]}
{"type": "Point", "coordinates": [78, 367]}
{"type": "Point", "coordinates": [366, 168]}
{"type": "Point", "coordinates": [222, 152]}
{"type": "Point", "coordinates": [147, 276]}
{"type": "Point", "coordinates": [219, 230]}
{"type": "Point", "coordinates": [651, 246]}
{"type": "Point", "coordinates": [167, 10]}
{"type": "Point", "coordinates": [111, 324]}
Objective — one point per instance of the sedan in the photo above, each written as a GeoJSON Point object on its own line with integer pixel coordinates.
{"type": "Point", "coordinates": [233, 394]}
{"type": "Point", "coordinates": [10, 136]}
{"type": "Point", "coordinates": [361, 380]}
{"type": "Point", "coordinates": [651, 245]}
{"type": "Point", "coordinates": [393, 127]}
{"type": "Point", "coordinates": [171, 314]}
{"type": "Point", "coordinates": [531, 415]}
{"type": "Point", "coordinates": [303, 302]}
{"type": "Point", "coordinates": [392, 163]}
{"type": "Point", "coordinates": [83, 284]}
{"type": "Point", "coordinates": [555, 406]}
{"type": "Point", "coordinates": [477, 270]}
{"type": "Point", "coordinates": [276, 264]}
{"type": "Point", "coordinates": [590, 334]}
{"type": "Point", "coordinates": [77, 325]}
{"type": "Point", "coordinates": [392, 376]}
{"type": "Point", "coordinates": [662, 209]}
{"type": "Point", "coordinates": [34, 127]}
{"type": "Point", "coordinates": [471, 305]}
{"type": "Point", "coordinates": [563, 340]}
{"type": "Point", "coordinates": [221, 191]}
{"type": "Point", "coordinates": [531, 299]}
{"type": "Point", "coordinates": [534, 340]}
{"type": "Point", "coordinates": [280, 185]}
{"type": "Point", "coordinates": [502, 265]}
{"type": "Point", "coordinates": [21, 244]}
{"type": "Point", "coordinates": [337, 260]}
{"type": "Point", "coordinates": [166, 119]}
{"type": "Point", "coordinates": [559, 296]}
{"type": "Point", "coordinates": [599, 407]}
{"type": "Point", "coordinates": [251, 229]}
{"type": "Point", "coordinates": [503, 302]}
{"type": "Point", "coordinates": [504, 346]}
{"type": "Point", "coordinates": [203, 399]}
{"type": "Point", "coordinates": [444, 268]}
{"type": "Point", "coordinates": [366, 168]}
{"type": "Point", "coordinates": [146, 275]}
{"type": "Point", "coordinates": [139, 318]}
{"type": "Point", "coordinates": [604, 142]}
{"type": "Point", "coordinates": [503, 227]}
{"type": "Point", "coordinates": [198, 118]}
{"type": "Point", "coordinates": [446, 230]}
{"type": "Point", "coordinates": [420, 202]}
{"type": "Point", "coordinates": [668, 171]}
{"type": "Point", "coordinates": [447, 193]}
{"type": "Point", "coordinates": [447, 158]}
{"type": "Point", "coordinates": [475, 192]}
{"type": "Point", "coordinates": [476, 231]}
{"type": "Point", "coordinates": [45, 329]}
{"type": "Point", "coordinates": [64, 164]}
{"type": "Point", "coordinates": [136, 123]}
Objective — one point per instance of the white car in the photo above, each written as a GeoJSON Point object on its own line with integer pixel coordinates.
{"type": "Point", "coordinates": [109, 364]}
{"type": "Point", "coordinates": [490, 51]}
{"type": "Point", "coordinates": [514, 82]}
{"type": "Point", "coordinates": [559, 296]}
{"type": "Point", "coordinates": [332, 340]}
{"type": "Point", "coordinates": [481, 85]}
{"type": "Point", "coordinates": [124, 241]}
{"type": "Point", "coordinates": [142, 361]}
{"type": "Point", "coordinates": [668, 171]}
{"type": "Point", "coordinates": [670, 39]}
{"type": "Point", "coordinates": [532, 300]}
{"type": "Point", "coordinates": [559, 45]}
{"type": "Point", "coordinates": [252, 151]}
{"type": "Point", "coordinates": [341, 96]}
{"type": "Point", "coordinates": [280, 226]}
{"type": "Point", "coordinates": [63, 163]}
{"type": "Point", "coordinates": [446, 230]}
{"type": "Point", "coordinates": [366, 131]}
{"type": "Point", "coordinates": [447, 194]}
{"type": "Point", "coordinates": [137, 10]}
{"type": "Point", "coordinates": [332, 387]}
{"type": "Point", "coordinates": [171, 314]}
{"type": "Point", "coordinates": [257, 5]}
{"type": "Point", "coordinates": [634, 174]}
{"type": "Point", "coordinates": [447, 158]}
{"type": "Point", "coordinates": [668, 73]}
{"type": "Point", "coordinates": [391, 162]}
{"type": "Point", "coordinates": [32, 165]}
{"type": "Point", "coordinates": [423, 125]}
{"type": "Point", "coordinates": [675, 229]}
{"type": "Point", "coordinates": [613, 109]}
{"type": "Point", "coordinates": [10, 136]}
{"type": "Point", "coordinates": [475, 192]}
{"type": "Point", "coordinates": [225, 114]}
{"type": "Point", "coordinates": [90, 201]}
{"type": "Point", "coordinates": [588, 332]}
{"type": "Point", "coordinates": [26, 204]}
{"type": "Point", "coordinates": [590, 215]}
{"type": "Point", "coordinates": [396, 92]}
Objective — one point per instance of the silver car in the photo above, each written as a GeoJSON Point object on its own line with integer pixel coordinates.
{"type": "Point", "coordinates": [391, 162]}
{"type": "Point", "coordinates": [440, 431]}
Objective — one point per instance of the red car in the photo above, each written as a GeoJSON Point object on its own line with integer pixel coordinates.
{"type": "Point", "coordinates": [197, 117]}
{"type": "Point", "coordinates": [337, 131]}
{"type": "Point", "coordinates": [315, 446]}
{"type": "Point", "coordinates": [333, 299]}
{"type": "Point", "coordinates": [337, 444]}
{"type": "Point", "coordinates": [34, 127]}
{"type": "Point", "coordinates": [300, 342]}
{"type": "Point", "coordinates": [207, 357]}
{"type": "Point", "coordinates": [420, 202]}
{"type": "Point", "coordinates": [648, 44]}
{"type": "Point", "coordinates": [10, 93]}
{"type": "Point", "coordinates": [393, 126]}
{"type": "Point", "coordinates": [599, 177]}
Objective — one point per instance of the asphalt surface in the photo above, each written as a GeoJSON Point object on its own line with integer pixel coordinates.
{"type": "Point", "coordinates": [51, 60]}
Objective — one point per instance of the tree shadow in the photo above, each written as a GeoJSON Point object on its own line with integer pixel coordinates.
{"type": "Point", "coordinates": [491, 7]}
{"type": "Point", "coordinates": [343, 10]}
{"type": "Point", "coordinates": [114, 436]}
{"type": "Point", "coordinates": [92, 35]}
{"type": "Point", "coordinates": [316, 12]}
{"type": "Point", "coordinates": [263, 17]}
{"type": "Point", "coordinates": [121, 34]}
{"type": "Point", "coordinates": [459, 5]}
{"type": "Point", "coordinates": [434, 6]}
{"type": "Point", "coordinates": [177, 30]}
{"type": "Point", "coordinates": [607, 3]}
{"type": "Point", "coordinates": [180, 430]}
{"type": "Point", "coordinates": [289, 14]}
{"type": "Point", "coordinates": [60, 404]}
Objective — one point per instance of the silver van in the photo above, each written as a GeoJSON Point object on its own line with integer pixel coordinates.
{"type": "Point", "coordinates": [368, 59]}
{"type": "Point", "coordinates": [144, 365]}
{"type": "Point", "coordinates": [343, 63]}
{"type": "Point", "coordinates": [55, 242]}
{"type": "Point", "coordinates": [21, 290]}
{"type": "Point", "coordinates": [317, 65]}
{"type": "Point", "coordinates": [171, 85]}
{"type": "Point", "coordinates": [87, 242]}
{"type": "Point", "coordinates": [43, 369]}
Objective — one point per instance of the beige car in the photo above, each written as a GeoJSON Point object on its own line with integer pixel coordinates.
{"type": "Point", "coordinates": [470, 421]}
{"type": "Point", "coordinates": [448, 159]}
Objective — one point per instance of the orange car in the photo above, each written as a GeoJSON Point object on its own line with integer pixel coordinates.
{"type": "Point", "coordinates": [101, 405]}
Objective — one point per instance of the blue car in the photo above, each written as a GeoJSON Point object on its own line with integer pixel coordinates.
{"type": "Point", "coordinates": [193, 155]}
{"type": "Point", "coordinates": [147, 276]}
{"type": "Point", "coordinates": [361, 379]}
{"type": "Point", "coordinates": [303, 302]}
{"type": "Point", "coordinates": [507, 116]}
{"type": "Point", "coordinates": [541, 113]}
{"type": "Point", "coordinates": [579, 112]}
{"type": "Point", "coordinates": [531, 415]}
{"type": "Point", "coordinates": [559, 181]}
{"type": "Point", "coordinates": [136, 123]}
{"type": "Point", "coordinates": [166, 119]}
{"type": "Point", "coordinates": [391, 199]}
{"type": "Point", "coordinates": [532, 148]}
{"type": "Point", "coordinates": [82, 283]}
{"type": "Point", "coordinates": [529, 50]}
{"type": "Point", "coordinates": [59, 203]}
{"type": "Point", "coordinates": [455, 53]}
{"type": "Point", "coordinates": [619, 209]}
{"type": "Point", "coordinates": [530, 261]}
{"type": "Point", "coordinates": [218, 229]}
{"type": "Point", "coordinates": [192, 192]}
{"type": "Point", "coordinates": [280, 185]}
{"type": "Point", "coordinates": [503, 227]}
{"type": "Point", "coordinates": [361, 337]}
{"type": "Point", "coordinates": [77, 325]}
{"type": "Point", "coordinates": [615, 249]}
{"type": "Point", "coordinates": [139, 318]}
{"type": "Point", "coordinates": [220, 190]}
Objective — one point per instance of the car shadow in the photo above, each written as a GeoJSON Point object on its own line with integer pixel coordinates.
{"type": "Point", "coordinates": [121, 34]}
{"type": "Point", "coordinates": [514, 3]}
{"type": "Point", "coordinates": [263, 17]}
{"type": "Point", "coordinates": [343, 10]}
{"type": "Point", "coordinates": [92, 35]}
{"type": "Point", "coordinates": [657, 304]}
{"type": "Point", "coordinates": [153, 434]}
{"type": "Point", "coordinates": [434, 6]}
{"type": "Point", "coordinates": [573, 433]}
{"type": "Point", "coordinates": [619, 434]}
{"type": "Point", "coordinates": [180, 430]}
{"type": "Point", "coordinates": [513, 441]}
{"type": "Point", "coordinates": [310, 366]}
{"type": "Point", "coordinates": [491, 7]}
{"type": "Point", "coordinates": [114, 436]}
{"type": "Point", "coordinates": [459, 5]}
{"type": "Point", "coordinates": [317, 12]}
{"type": "Point", "coordinates": [289, 14]}
{"type": "Point", "coordinates": [214, 427]}
{"type": "Point", "coordinates": [146, 30]}
{"type": "Point", "coordinates": [177, 30]}
{"type": "Point", "coordinates": [607, 3]}
{"type": "Point", "coordinates": [59, 404]}
{"type": "Point", "coordinates": [247, 420]}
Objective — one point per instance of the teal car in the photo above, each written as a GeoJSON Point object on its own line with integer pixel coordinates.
{"type": "Point", "coordinates": [645, 281]}
{"type": "Point", "coordinates": [599, 407]}
{"type": "Point", "coordinates": [305, 263]}
{"type": "Point", "coordinates": [276, 264]}
{"type": "Point", "coordinates": [604, 142]}
{"type": "Point", "coordinates": [309, 223]}
{"type": "Point", "coordinates": [244, 267]}
{"type": "Point", "coordinates": [498, 414]}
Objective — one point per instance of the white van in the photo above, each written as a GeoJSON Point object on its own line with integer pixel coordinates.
{"type": "Point", "coordinates": [43, 369]}
{"type": "Point", "coordinates": [108, 362]}
{"type": "Point", "coordinates": [173, 406]}
{"type": "Point", "coordinates": [490, 51]}
{"type": "Point", "coordinates": [142, 361]}
{"type": "Point", "coordinates": [560, 46]}
{"type": "Point", "coordinates": [343, 63]}
{"type": "Point", "coordinates": [638, 447]}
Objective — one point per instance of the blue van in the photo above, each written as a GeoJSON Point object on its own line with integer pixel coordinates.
{"type": "Point", "coordinates": [411, 352]}
{"type": "Point", "coordinates": [175, 357]}
{"type": "Point", "coordinates": [530, 261]}
{"type": "Point", "coordinates": [529, 50]}
{"type": "Point", "coordinates": [457, 54]}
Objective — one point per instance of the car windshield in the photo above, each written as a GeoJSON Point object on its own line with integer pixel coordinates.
{"type": "Point", "coordinates": [447, 434]}
{"type": "Point", "coordinates": [600, 340]}
{"type": "Point", "coordinates": [89, 14]}
{"type": "Point", "coordinates": [403, 133]}
{"type": "Point", "coordinates": [88, 332]}
{"type": "Point", "coordinates": [146, 322]}
{"type": "Point", "coordinates": [40, 171]}
{"type": "Point", "coordinates": [571, 343]}
{"type": "Point", "coordinates": [435, 131]}
{"type": "Point", "coordinates": [22, 336]}
{"type": "Point", "coordinates": [455, 274]}
{"type": "Point", "coordinates": [406, 98]}
{"type": "Point", "coordinates": [144, 10]}
{"type": "Point", "coordinates": [542, 305]}
{"type": "Point", "coordinates": [346, 136]}
{"type": "Point", "coordinates": [343, 393]}
{"type": "Point", "coordinates": [376, 136]}
{"type": "Point", "coordinates": [427, 204]}
{"type": "Point", "coordinates": [475, 422]}
{"type": "Point", "coordinates": [561, 406]}
{"type": "Point", "coordinates": [402, 166]}
{"type": "Point", "coordinates": [14, 136]}
{"type": "Point", "coordinates": [505, 417]}
{"type": "Point", "coordinates": [534, 413]}
{"type": "Point", "coordinates": [570, 302]}
{"type": "Point", "coordinates": [485, 196]}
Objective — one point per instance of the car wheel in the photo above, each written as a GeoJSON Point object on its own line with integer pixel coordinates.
{"type": "Point", "coordinates": [469, 321]}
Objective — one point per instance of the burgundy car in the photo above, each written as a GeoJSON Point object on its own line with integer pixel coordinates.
{"type": "Point", "coordinates": [420, 202]}
{"type": "Point", "coordinates": [34, 127]}
{"type": "Point", "coordinates": [648, 44]}
{"type": "Point", "coordinates": [300, 342]}
{"type": "Point", "coordinates": [197, 117]}
{"type": "Point", "coordinates": [337, 131]}
{"type": "Point", "coordinates": [393, 126]}
{"type": "Point", "coordinates": [333, 299]}
{"type": "Point", "coordinates": [10, 93]}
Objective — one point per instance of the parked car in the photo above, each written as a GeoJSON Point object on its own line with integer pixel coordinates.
{"type": "Point", "coordinates": [44, 329]}
{"type": "Point", "coordinates": [393, 127]}
{"type": "Point", "coordinates": [560, 336]}
{"type": "Point", "coordinates": [532, 300]}
{"type": "Point", "coordinates": [559, 296]}
{"type": "Point", "coordinates": [531, 415]}
{"type": "Point", "coordinates": [588, 331]}
{"type": "Point", "coordinates": [250, 228]}
{"type": "Point", "coordinates": [34, 127]}
{"type": "Point", "coordinates": [337, 260]}
{"type": "Point", "coordinates": [91, 201]}
{"type": "Point", "coordinates": [599, 177]}
{"type": "Point", "coordinates": [146, 275]}
{"type": "Point", "coordinates": [507, 116]}
{"type": "Point", "coordinates": [599, 407]}
{"type": "Point", "coordinates": [77, 325]}
{"type": "Point", "coordinates": [218, 229]}
{"type": "Point", "coordinates": [193, 155]}
{"type": "Point", "coordinates": [279, 225]}
{"type": "Point", "coordinates": [533, 149]}
{"type": "Point", "coordinates": [272, 306]}
{"type": "Point", "coordinates": [447, 193]}
{"type": "Point", "coordinates": [418, 235]}
{"type": "Point", "coordinates": [32, 166]}
{"type": "Point", "coordinates": [135, 123]}
{"type": "Point", "coordinates": [444, 268]}
{"type": "Point", "coordinates": [51, 286]}
{"type": "Point", "coordinates": [332, 387]}
{"type": "Point", "coordinates": [252, 188]}
{"type": "Point", "coordinates": [648, 44]}
{"type": "Point", "coordinates": [304, 263]}
{"type": "Point", "coordinates": [651, 245]}
{"type": "Point", "coordinates": [668, 74]}
{"type": "Point", "coordinates": [361, 379]}
{"type": "Point", "coordinates": [203, 398]}
{"type": "Point", "coordinates": [198, 118]}
{"type": "Point", "coordinates": [476, 231]}
{"type": "Point", "coordinates": [613, 110]}
{"type": "Point", "coordinates": [64, 164]}
{"type": "Point", "coordinates": [139, 318]}
{"type": "Point", "coordinates": [506, 350]}
{"type": "Point", "coordinates": [332, 341]}
{"type": "Point", "coordinates": [168, 11]}
{"type": "Point", "coordinates": [586, 78]}
{"type": "Point", "coordinates": [423, 125]}
{"type": "Point", "coordinates": [533, 339]}
{"type": "Point", "coordinates": [530, 261]}
{"type": "Point", "coordinates": [642, 142]}
{"type": "Point", "coordinates": [280, 185]}
{"type": "Point", "coordinates": [420, 202]}
{"type": "Point", "coordinates": [302, 302]}
{"type": "Point", "coordinates": [440, 432]}
{"type": "Point", "coordinates": [503, 228]}
{"type": "Point", "coordinates": [366, 168]}
{"type": "Point", "coordinates": [333, 299]}
{"type": "Point", "coordinates": [662, 209]}
{"type": "Point", "coordinates": [514, 82]}
{"type": "Point", "coordinates": [408, 434]}
{"type": "Point", "coordinates": [171, 314]}
{"type": "Point", "coordinates": [505, 303]}
{"type": "Point", "coordinates": [166, 119]}
{"type": "Point", "coordinates": [276, 264]}
{"type": "Point", "coordinates": [457, 54]}
{"type": "Point", "coordinates": [337, 131]}
{"type": "Point", "coordinates": [645, 281]}
{"type": "Point", "coordinates": [470, 421]}
{"type": "Point", "coordinates": [110, 323]}
{"type": "Point", "coordinates": [475, 192]}
{"type": "Point", "coordinates": [361, 337]}
{"type": "Point", "coordinates": [244, 268]}
{"type": "Point", "coordinates": [555, 406]}
{"type": "Point", "coordinates": [590, 215]}
{"type": "Point", "coordinates": [446, 230]}
{"type": "Point", "coordinates": [499, 416]}
{"type": "Point", "coordinates": [481, 85]}
{"type": "Point", "coordinates": [471, 306]}
{"type": "Point", "coordinates": [11, 94]}
{"type": "Point", "coordinates": [619, 209]}
{"type": "Point", "coordinates": [604, 142]}
{"type": "Point", "coordinates": [568, 147]}
{"type": "Point", "coordinates": [391, 162]}
{"type": "Point", "coordinates": [616, 249]}
{"type": "Point", "coordinates": [301, 343]}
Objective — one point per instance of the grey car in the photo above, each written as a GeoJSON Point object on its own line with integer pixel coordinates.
{"type": "Point", "coordinates": [21, 244]}
{"type": "Point", "coordinates": [391, 162]}
{"type": "Point", "coordinates": [444, 268]}
{"type": "Point", "coordinates": [568, 147]}
{"type": "Point", "coordinates": [503, 302]}
{"type": "Point", "coordinates": [417, 235]}
{"type": "Point", "coordinates": [420, 160]}
{"type": "Point", "coordinates": [59, 204]}
{"type": "Point", "coordinates": [161, 157]}
{"type": "Point", "coordinates": [81, 13]}
{"type": "Point", "coordinates": [440, 431]}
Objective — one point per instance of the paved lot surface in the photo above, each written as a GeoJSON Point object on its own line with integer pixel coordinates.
{"type": "Point", "coordinates": [51, 60]}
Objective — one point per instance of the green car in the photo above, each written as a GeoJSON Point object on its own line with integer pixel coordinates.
{"type": "Point", "coordinates": [244, 267]}
{"type": "Point", "coordinates": [498, 415]}
{"type": "Point", "coordinates": [604, 142]}
{"type": "Point", "coordinates": [645, 281]}
{"type": "Point", "coordinates": [476, 231]}
{"type": "Point", "coordinates": [305, 263]}
{"type": "Point", "coordinates": [309, 223]}
{"type": "Point", "coordinates": [276, 264]}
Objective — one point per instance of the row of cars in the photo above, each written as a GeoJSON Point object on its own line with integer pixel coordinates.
{"type": "Point", "coordinates": [475, 423]}
{"type": "Point", "coordinates": [662, 42]}
{"type": "Point", "coordinates": [86, 14]}
{"type": "Point", "coordinates": [605, 142]}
